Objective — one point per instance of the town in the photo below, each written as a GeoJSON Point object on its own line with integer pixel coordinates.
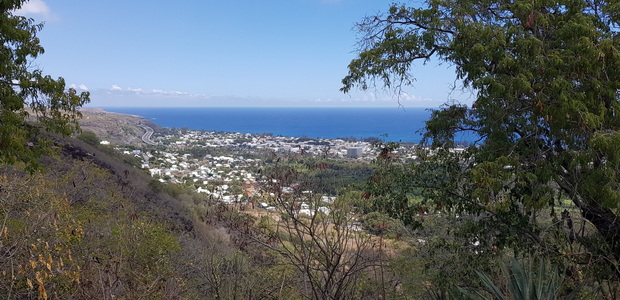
{"type": "Point", "coordinates": [225, 165]}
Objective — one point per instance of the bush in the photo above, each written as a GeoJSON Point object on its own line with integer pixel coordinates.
{"type": "Point", "coordinates": [380, 224]}
{"type": "Point", "coordinates": [89, 137]}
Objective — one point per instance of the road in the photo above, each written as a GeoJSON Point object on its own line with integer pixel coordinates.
{"type": "Point", "coordinates": [146, 137]}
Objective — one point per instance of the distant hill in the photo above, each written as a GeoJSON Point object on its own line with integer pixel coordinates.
{"type": "Point", "coordinates": [114, 127]}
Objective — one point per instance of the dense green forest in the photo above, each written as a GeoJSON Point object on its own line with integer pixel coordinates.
{"type": "Point", "coordinates": [529, 211]}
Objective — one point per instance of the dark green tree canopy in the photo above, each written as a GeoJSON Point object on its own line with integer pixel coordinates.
{"type": "Point", "coordinates": [547, 78]}
{"type": "Point", "coordinates": [25, 92]}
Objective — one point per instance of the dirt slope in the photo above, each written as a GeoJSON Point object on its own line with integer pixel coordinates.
{"type": "Point", "coordinates": [114, 127]}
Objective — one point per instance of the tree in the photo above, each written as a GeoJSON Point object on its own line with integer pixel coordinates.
{"type": "Point", "coordinates": [25, 91]}
{"type": "Point", "coordinates": [89, 137]}
{"type": "Point", "coordinates": [333, 259]}
{"type": "Point", "coordinates": [546, 75]}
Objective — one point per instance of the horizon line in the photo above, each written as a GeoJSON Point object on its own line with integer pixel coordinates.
{"type": "Point", "coordinates": [347, 107]}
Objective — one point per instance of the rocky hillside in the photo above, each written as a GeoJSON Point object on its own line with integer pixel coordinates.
{"type": "Point", "coordinates": [114, 127]}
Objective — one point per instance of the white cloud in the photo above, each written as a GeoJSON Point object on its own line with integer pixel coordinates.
{"type": "Point", "coordinates": [79, 87]}
{"type": "Point", "coordinates": [36, 7]}
{"type": "Point", "coordinates": [370, 99]}
{"type": "Point", "coordinates": [404, 97]}
{"type": "Point", "coordinates": [117, 89]}
{"type": "Point", "coordinates": [118, 96]}
{"type": "Point", "coordinates": [175, 93]}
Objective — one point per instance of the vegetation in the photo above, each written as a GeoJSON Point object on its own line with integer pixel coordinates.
{"type": "Point", "coordinates": [93, 226]}
{"type": "Point", "coordinates": [327, 176]}
{"type": "Point", "coordinates": [89, 137]}
{"type": "Point", "coordinates": [331, 257]}
{"type": "Point", "coordinates": [529, 211]}
{"type": "Point", "coordinates": [546, 79]}
{"type": "Point", "coordinates": [26, 91]}
{"type": "Point", "coordinates": [60, 237]}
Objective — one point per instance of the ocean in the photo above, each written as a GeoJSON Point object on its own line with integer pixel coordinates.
{"type": "Point", "coordinates": [388, 124]}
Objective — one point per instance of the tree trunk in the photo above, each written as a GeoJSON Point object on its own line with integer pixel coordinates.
{"type": "Point", "coordinates": [607, 223]}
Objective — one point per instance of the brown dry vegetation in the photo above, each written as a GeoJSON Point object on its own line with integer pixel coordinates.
{"type": "Point", "coordinates": [91, 226]}
{"type": "Point", "coordinates": [117, 128]}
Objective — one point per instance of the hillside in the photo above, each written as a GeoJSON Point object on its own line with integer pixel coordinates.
{"type": "Point", "coordinates": [91, 227]}
{"type": "Point", "coordinates": [117, 128]}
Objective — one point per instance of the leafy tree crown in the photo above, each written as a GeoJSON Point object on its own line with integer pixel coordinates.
{"type": "Point", "coordinates": [26, 94]}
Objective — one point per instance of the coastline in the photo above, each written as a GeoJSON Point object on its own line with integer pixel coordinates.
{"type": "Point", "coordinates": [387, 124]}
{"type": "Point", "coordinates": [118, 128]}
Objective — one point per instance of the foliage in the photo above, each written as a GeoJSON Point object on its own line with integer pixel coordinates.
{"type": "Point", "coordinates": [526, 280]}
{"type": "Point", "coordinates": [219, 271]}
{"type": "Point", "coordinates": [546, 77]}
{"type": "Point", "coordinates": [334, 260]}
{"type": "Point", "coordinates": [26, 91]}
{"type": "Point", "coordinates": [123, 235]}
{"type": "Point", "coordinates": [207, 256]}
{"type": "Point", "coordinates": [89, 137]}
{"type": "Point", "coordinates": [445, 254]}
{"type": "Point", "coordinates": [380, 224]}
{"type": "Point", "coordinates": [36, 259]}
{"type": "Point", "coordinates": [64, 229]}
{"type": "Point", "coordinates": [328, 176]}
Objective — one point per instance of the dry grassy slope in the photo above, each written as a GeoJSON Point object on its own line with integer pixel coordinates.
{"type": "Point", "coordinates": [133, 183]}
{"type": "Point", "coordinates": [114, 127]}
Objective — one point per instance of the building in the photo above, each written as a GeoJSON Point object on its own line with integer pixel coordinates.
{"type": "Point", "coordinates": [355, 152]}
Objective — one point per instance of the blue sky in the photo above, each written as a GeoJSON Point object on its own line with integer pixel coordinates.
{"type": "Point", "coordinates": [218, 53]}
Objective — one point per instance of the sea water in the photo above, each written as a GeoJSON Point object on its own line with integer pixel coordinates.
{"type": "Point", "coordinates": [388, 124]}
